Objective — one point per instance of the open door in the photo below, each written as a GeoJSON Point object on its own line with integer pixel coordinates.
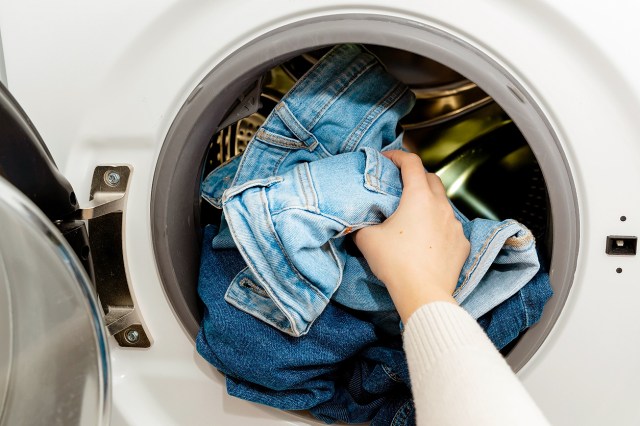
{"type": "Point", "coordinates": [54, 360]}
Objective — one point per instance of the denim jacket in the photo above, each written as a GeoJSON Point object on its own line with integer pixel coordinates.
{"type": "Point", "coordinates": [313, 173]}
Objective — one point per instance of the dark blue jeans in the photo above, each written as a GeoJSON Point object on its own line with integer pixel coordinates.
{"type": "Point", "coordinates": [522, 310]}
{"type": "Point", "coordinates": [345, 369]}
{"type": "Point", "coordinates": [335, 370]}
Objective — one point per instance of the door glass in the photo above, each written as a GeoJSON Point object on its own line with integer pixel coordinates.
{"type": "Point", "coordinates": [53, 356]}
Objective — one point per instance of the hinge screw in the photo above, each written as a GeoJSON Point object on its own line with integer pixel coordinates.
{"type": "Point", "coordinates": [132, 336]}
{"type": "Point", "coordinates": [112, 178]}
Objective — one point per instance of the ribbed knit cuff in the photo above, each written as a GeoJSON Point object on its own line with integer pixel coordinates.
{"type": "Point", "coordinates": [437, 328]}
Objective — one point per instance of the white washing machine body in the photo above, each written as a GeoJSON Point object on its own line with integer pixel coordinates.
{"type": "Point", "coordinates": [103, 84]}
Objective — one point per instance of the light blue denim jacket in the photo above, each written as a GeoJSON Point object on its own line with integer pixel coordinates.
{"type": "Point", "coordinates": [312, 174]}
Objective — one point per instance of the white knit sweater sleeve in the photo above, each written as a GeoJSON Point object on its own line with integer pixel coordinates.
{"type": "Point", "coordinates": [457, 375]}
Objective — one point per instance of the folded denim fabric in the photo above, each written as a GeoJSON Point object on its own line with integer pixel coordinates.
{"type": "Point", "coordinates": [375, 388]}
{"type": "Point", "coordinates": [519, 312]}
{"type": "Point", "coordinates": [312, 174]}
{"type": "Point", "coordinates": [343, 369]}
{"type": "Point", "coordinates": [290, 229]}
{"type": "Point", "coordinates": [339, 366]}
{"type": "Point", "coordinates": [346, 101]}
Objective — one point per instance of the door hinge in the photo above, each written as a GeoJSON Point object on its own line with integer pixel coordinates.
{"type": "Point", "coordinates": [104, 215]}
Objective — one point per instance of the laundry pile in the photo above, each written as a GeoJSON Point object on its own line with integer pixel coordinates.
{"type": "Point", "coordinates": [293, 316]}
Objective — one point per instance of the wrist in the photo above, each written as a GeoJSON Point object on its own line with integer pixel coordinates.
{"type": "Point", "coordinates": [410, 296]}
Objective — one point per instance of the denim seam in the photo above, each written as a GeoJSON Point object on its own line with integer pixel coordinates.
{"type": "Point", "coordinates": [294, 126]}
{"type": "Point", "coordinates": [479, 254]}
{"type": "Point", "coordinates": [382, 106]}
{"type": "Point", "coordinates": [236, 190]}
{"type": "Point", "coordinates": [400, 418]}
{"type": "Point", "coordinates": [304, 193]}
{"type": "Point", "coordinates": [372, 178]}
{"type": "Point", "coordinates": [280, 161]}
{"type": "Point", "coordinates": [376, 185]}
{"type": "Point", "coordinates": [526, 246]}
{"type": "Point", "coordinates": [275, 139]}
{"type": "Point", "coordinates": [314, 193]}
{"type": "Point", "coordinates": [378, 170]}
{"type": "Point", "coordinates": [309, 76]}
{"type": "Point", "coordinates": [246, 309]}
{"type": "Point", "coordinates": [275, 237]}
{"type": "Point", "coordinates": [389, 185]}
{"type": "Point", "coordinates": [242, 160]}
{"type": "Point", "coordinates": [292, 207]}
{"type": "Point", "coordinates": [349, 229]}
{"type": "Point", "coordinates": [251, 266]}
{"type": "Point", "coordinates": [393, 376]}
{"type": "Point", "coordinates": [345, 86]}
{"type": "Point", "coordinates": [250, 311]}
{"type": "Point", "coordinates": [371, 181]}
{"type": "Point", "coordinates": [526, 310]}
{"type": "Point", "coordinates": [211, 200]}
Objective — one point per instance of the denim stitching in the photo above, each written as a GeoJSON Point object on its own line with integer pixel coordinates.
{"type": "Point", "coordinates": [275, 139]}
{"type": "Point", "coordinates": [257, 183]}
{"type": "Point", "coordinates": [280, 161]}
{"type": "Point", "coordinates": [342, 82]}
{"type": "Point", "coordinates": [309, 76]}
{"type": "Point", "coordinates": [260, 315]}
{"type": "Point", "coordinates": [357, 61]}
{"type": "Point", "coordinates": [369, 64]}
{"type": "Point", "coordinates": [520, 243]}
{"type": "Point", "coordinates": [400, 418]}
{"type": "Point", "coordinates": [390, 187]}
{"type": "Point", "coordinates": [275, 237]}
{"type": "Point", "coordinates": [372, 178]}
{"type": "Point", "coordinates": [314, 194]}
{"type": "Point", "coordinates": [378, 167]}
{"type": "Point", "coordinates": [292, 123]}
{"type": "Point", "coordinates": [302, 85]}
{"type": "Point", "coordinates": [349, 229]}
{"type": "Point", "coordinates": [388, 100]}
{"type": "Point", "coordinates": [526, 311]}
{"type": "Point", "coordinates": [480, 253]}
{"type": "Point", "coordinates": [266, 288]}
{"type": "Point", "coordinates": [302, 185]}
{"type": "Point", "coordinates": [393, 376]}
{"type": "Point", "coordinates": [242, 161]}
{"type": "Point", "coordinates": [387, 192]}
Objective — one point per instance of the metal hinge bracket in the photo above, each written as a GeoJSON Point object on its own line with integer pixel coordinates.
{"type": "Point", "coordinates": [105, 214]}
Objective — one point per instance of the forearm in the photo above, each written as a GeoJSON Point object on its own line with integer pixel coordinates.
{"type": "Point", "coordinates": [457, 375]}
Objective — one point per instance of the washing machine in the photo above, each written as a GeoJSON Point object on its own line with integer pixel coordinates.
{"type": "Point", "coordinates": [102, 219]}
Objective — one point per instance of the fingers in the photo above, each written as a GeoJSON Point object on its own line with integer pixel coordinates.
{"type": "Point", "coordinates": [413, 173]}
{"type": "Point", "coordinates": [436, 185]}
{"type": "Point", "coordinates": [410, 167]}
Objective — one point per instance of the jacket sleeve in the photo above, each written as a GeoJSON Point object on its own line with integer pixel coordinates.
{"type": "Point", "coordinates": [457, 375]}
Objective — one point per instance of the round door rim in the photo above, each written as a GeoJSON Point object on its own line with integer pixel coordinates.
{"type": "Point", "coordinates": [173, 209]}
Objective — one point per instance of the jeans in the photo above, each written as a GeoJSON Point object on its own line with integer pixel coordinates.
{"type": "Point", "coordinates": [519, 312]}
{"type": "Point", "coordinates": [312, 174]}
{"type": "Point", "coordinates": [338, 371]}
{"type": "Point", "coordinates": [344, 369]}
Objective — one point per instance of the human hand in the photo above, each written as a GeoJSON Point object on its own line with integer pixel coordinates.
{"type": "Point", "coordinates": [418, 252]}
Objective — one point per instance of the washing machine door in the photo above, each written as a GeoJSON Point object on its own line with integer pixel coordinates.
{"type": "Point", "coordinates": [54, 363]}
